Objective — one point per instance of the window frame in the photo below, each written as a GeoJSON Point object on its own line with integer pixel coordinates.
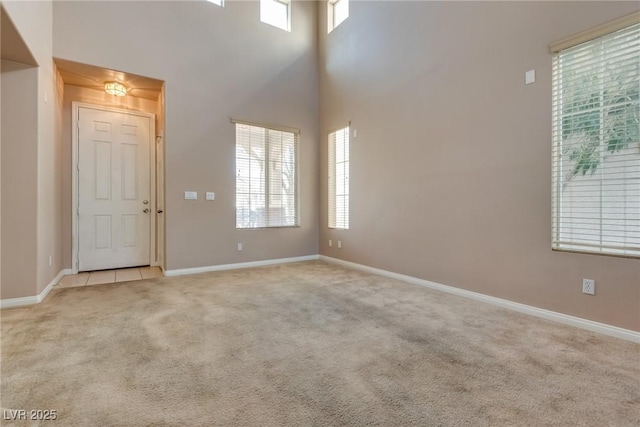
{"type": "Point", "coordinates": [334, 222]}
{"type": "Point", "coordinates": [331, 14]}
{"type": "Point", "coordinates": [286, 3]}
{"type": "Point", "coordinates": [566, 234]}
{"type": "Point", "coordinates": [267, 193]}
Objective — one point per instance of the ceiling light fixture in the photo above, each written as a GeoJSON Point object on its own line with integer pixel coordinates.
{"type": "Point", "coordinates": [115, 88]}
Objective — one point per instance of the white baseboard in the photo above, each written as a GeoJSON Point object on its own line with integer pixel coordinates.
{"type": "Point", "coordinates": [590, 325]}
{"type": "Point", "coordinates": [196, 270]}
{"type": "Point", "coordinates": [35, 299]}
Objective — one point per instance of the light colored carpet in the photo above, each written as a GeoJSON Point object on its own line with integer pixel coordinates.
{"type": "Point", "coordinates": [306, 344]}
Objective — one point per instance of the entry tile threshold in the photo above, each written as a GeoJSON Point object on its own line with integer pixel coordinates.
{"type": "Point", "coordinates": [73, 280]}
{"type": "Point", "coordinates": [109, 276]}
{"type": "Point", "coordinates": [150, 272]}
{"type": "Point", "coordinates": [128, 275]}
{"type": "Point", "coordinates": [101, 277]}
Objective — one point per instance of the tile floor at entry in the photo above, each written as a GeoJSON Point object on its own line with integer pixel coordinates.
{"type": "Point", "coordinates": [109, 276]}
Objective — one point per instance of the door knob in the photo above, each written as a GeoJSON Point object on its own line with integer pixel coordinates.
{"type": "Point", "coordinates": [146, 210]}
{"type": "Point", "coordinates": [159, 211]}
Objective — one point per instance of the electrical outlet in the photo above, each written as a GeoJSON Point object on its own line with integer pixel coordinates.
{"type": "Point", "coordinates": [339, 244]}
{"type": "Point", "coordinates": [589, 286]}
{"type": "Point", "coordinates": [239, 247]}
{"type": "Point", "coordinates": [330, 243]}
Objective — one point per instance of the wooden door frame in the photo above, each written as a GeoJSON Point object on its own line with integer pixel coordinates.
{"type": "Point", "coordinates": [154, 257]}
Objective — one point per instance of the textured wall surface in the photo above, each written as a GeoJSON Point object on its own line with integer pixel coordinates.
{"type": "Point", "coordinates": [217, 63]}
{"type": "Point", "coordinates": [451, 168]}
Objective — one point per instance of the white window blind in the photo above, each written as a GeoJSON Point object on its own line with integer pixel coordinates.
{"type": "Point", "coordinates": [337, 11]}
{"type": "Point", "coordinates": [596, 145]}
{"type": "Point", "coordinates": [266, 177]}
{"type": "Point", "coordinates": [276, 13]}
{"type": "Point", "coordinates": [339, 179]}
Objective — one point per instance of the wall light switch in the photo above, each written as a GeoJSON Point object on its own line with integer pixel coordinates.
{"type": "Point", "coordinates": [530, 77]}
{"type": "Point", "coordinates": [191, 195]}
{"type": "Point", "coordinates": [211, 195]}
{"type": "Point", "coordinates": [355, 133]}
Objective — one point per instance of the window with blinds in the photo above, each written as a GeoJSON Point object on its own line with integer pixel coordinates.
{"type": "Point", "coordinates": [596, 145]}
{"type": "Point", "coordinates": [266, 177]}
{"type": "Point", "coordinates": [339, 179]}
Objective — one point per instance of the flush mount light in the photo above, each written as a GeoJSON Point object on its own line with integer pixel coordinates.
{"type": "Point", "coordinates": [115, 88]}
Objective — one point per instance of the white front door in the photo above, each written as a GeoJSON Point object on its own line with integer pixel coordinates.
{"type": "Point", "coordinates": [114, 204]}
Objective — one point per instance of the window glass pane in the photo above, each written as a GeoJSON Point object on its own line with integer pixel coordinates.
{"type": "Point", "coordinates": [338, 179]}
{"type": "Point", "coordinates": [340, 12]}
{"type": "Point", "coordinates": [596, 154]}
{"type": "Point", "coordinates": [337, 11]}
{"type": "Point", "coordinates": [275, 12]}
{"type": "Point", "coordinates": [266, 177]}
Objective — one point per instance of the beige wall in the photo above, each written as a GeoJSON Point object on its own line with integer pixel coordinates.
{"type": "Point", "coordinates": [1, 178]}
{"type": "Point", "coordinates": [94, 97]}
{"type": "Point", "coordinates": [33, 21]}
{"type": "Point", "coordinates": [451, 168]}
{"type": "Point", "coordinates": [450, 172]}
{"type": "Point", "coordinates": [49, 153]}
{"type": "Point", "coordinates": [19, 179]}
{"type": "Point", "coordinates": [61, 183]}
{"type": "Point", "coordinates": [217, 63]}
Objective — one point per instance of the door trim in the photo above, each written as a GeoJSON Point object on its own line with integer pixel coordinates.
{"type": "Point", "coordinates": [75, 235]}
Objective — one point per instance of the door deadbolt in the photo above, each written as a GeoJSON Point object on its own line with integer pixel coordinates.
{"type": "Point", "coordinates": [145, 202]}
